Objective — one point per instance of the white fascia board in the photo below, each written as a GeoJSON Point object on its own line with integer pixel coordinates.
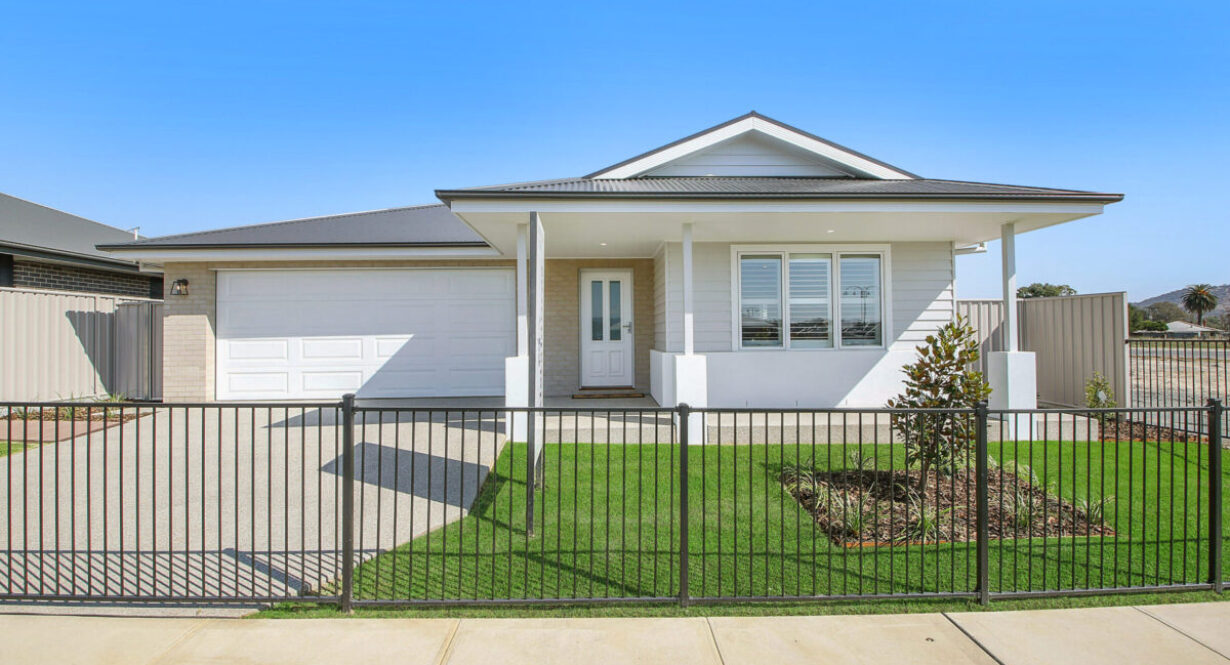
{"type": "Point", "coordinates": [770, 205]}
{"type": "Point", "coordinates": [306, 253]}
{"type": "Point", "coordinates": [845, 158]}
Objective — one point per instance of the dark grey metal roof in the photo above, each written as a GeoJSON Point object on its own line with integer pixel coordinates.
{"type": "Point", "coordinates": [745, 116]}
{"type": "Point", "coordinates": [35, 230]}
{"type": "Point", "coordinates": [416, 226]}
{"type": "Point", "coordinates": [722, 187]}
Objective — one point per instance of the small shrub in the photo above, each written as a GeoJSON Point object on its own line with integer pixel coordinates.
{"type": "Point", "coordinates": [1096, 509]}
{"type": "Point", "coordinates": [941, 378]}
{"type": "Point", "coordinates": [1099, 395]}
{"type": "Point", "coordinates": [861, 462]}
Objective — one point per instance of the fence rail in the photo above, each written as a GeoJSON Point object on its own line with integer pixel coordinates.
{"type": "Point", "coordinates": [372, 505]}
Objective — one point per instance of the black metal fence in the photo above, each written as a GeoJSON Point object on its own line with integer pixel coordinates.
{"type": "Point", "coordinates": [379, 504]}
{"type": "Point", "coordinates": [1178, 372]}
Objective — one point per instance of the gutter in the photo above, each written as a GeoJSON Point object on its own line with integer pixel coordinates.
{"type": "Point", "coordinates": [447, 195]}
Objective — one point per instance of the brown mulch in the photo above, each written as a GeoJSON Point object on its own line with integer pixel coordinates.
{"type": "Point", "coordinates": [869, 508]}
{"type": "Point", "coordinates": [61, 424]}
{"type": "Point", "coordinates": [99, 413]}
{"type": "Point", "coordinates": [1129, 430]}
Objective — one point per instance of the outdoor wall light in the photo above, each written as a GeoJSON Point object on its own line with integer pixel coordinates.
{"type": "Point", "coordinates": [179, 287]}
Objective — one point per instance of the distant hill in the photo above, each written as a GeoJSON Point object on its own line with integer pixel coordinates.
{"type": "Point", "coordinates": [1222, 292]}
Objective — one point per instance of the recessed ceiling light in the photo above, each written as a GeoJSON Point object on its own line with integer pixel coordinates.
{"type": "Point", "coordinates": [829, 231]}
{"type": "Point", "coordinates": [602, 243]}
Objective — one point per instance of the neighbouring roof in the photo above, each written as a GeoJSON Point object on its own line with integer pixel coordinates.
{"type": "Point", "coordinates": [722, 187]}
{"type": "Point", "coordinates": [415, 226]}
{"type": "Point", "coordinates": [34, 230]}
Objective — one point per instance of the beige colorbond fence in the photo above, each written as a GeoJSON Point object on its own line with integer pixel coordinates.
{"type": "Point", "coordinates": [56, 345]}
{"type": "Point", "coordinates": [1073, 337]}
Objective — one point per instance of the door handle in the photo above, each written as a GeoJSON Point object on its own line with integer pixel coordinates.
{"type": "Point", "coordinates": [628, 326]}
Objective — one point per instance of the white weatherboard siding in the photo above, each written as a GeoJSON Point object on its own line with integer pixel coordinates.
{"type": "Point", "coordinates": [660, 322]}
{"type": "Point", "coordinates": [920, 289]}
{"type": "Point", "coordinates": [751, 154]}
{"type": "Point", "coordinates": [317, 334]}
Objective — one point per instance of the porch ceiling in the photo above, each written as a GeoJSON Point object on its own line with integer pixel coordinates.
{"type": "Point", "coordinates": [635, 229]}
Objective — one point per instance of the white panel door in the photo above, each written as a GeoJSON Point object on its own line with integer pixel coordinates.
{"type": "Point", "coordinates": [317, 334]}
{"type": "Point", "coordinates": [606, 328]}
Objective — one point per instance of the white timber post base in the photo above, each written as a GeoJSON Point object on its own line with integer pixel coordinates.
{"type": "Point", "coordinates": [691, 370]}
{"type": "Point", "coordinates": [1012, 373]}
{"type": "Point", "coordinates": [517, 368]}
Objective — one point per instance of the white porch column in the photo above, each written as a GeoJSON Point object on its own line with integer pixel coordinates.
{"type": "Point", "coordinates": [1012, 373]}
{"type": "Point", "coordinates": [523, 326]}
{"type": "Point", "coordinates": [517, 368]}
{"type": "Point", "coordinates": [691, 370]}
{"type": "Point", "coordinates": [535, 305]}
{"type": "Point", "coordinates": [689, 346]}
{"type": "Point", "coordinates": [1008, 236]}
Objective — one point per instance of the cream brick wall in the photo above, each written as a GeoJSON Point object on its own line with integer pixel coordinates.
{"type": "Point", "coordinates": [188, 335]}
{"type": "Point", "coordinates": [562, 320]}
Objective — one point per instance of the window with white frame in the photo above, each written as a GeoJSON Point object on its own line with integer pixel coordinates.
{"type": "Point", "coordinates": [809, 299]}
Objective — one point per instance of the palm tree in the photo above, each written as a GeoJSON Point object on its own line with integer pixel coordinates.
{"type": "Point", "coordinates": [1198, 299]}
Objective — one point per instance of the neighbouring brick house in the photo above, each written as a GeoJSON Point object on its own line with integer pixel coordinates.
{"type": "Point", "coordinates": [43, 248]}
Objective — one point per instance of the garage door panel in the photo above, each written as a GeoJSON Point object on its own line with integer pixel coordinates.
{"type": "Point", "coordinates": [259, 349]}
{"type": "Point", "coordinates": [350, 348]}
{"type": "Point", "coordinates": [379, 333]}
{"type": "Point", "coordinates": [257, 383]}
{"type": "Point", "coordinates": [333, 382]}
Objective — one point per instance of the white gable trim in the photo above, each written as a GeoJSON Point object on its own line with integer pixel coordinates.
{"type": "Point", "coordinates": [857, 163]}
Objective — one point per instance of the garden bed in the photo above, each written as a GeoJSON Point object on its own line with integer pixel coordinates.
{"type": "Point", "coordinates": [859, 508]}
{"type": "Point", "coordinates": [1131, 430]}
{"type": "Point", "coordinates": [53, 424]}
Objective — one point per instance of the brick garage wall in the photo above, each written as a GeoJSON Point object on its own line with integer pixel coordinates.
{"type": "Point", "coordinates": [35, 275]}
{"type": "Point", "coordinates": [562, 320]}
{"type": "Point", "coordinates": [190, 322]}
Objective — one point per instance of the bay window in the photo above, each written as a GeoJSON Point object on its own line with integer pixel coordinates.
{"type": "Point", "coordinates": [803, 298]}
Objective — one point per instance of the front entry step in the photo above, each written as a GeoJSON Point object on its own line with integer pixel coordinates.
{"type": "Point", "coordinates": [608, 392]}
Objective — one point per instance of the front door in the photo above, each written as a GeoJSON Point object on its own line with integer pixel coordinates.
{"type": "Point", "coordinates": [606, 328]}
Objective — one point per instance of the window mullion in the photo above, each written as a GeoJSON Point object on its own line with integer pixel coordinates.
{"type": "Point", "coordinates": [785, 300]}
{"type": "Point", "coordinates": [835, 301]}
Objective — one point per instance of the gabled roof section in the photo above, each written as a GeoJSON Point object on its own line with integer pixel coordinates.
{"type": "Point", "coordinates": [416, 226]}
{"type": "Point", "coordinates": [796, 145]}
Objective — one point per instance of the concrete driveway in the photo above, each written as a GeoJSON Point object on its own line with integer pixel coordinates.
{"type": "Point", "coordinates": [194, 503]}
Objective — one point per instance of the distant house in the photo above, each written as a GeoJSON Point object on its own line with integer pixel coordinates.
{"type": "Point", "coordinates": [1185, 330]}
{"type": "Point", "coordinates": [44, 248]}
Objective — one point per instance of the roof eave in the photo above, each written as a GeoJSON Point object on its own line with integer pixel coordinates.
{"type": "Point", "coordinates": [1092, 197]}
{"type": "Point", "coordinates": [134, 247]}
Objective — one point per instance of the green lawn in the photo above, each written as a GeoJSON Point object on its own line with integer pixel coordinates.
{"type": "Point", "coordinates": [607, 528]}
{"type": "Point", "coordinates": [13, 447]}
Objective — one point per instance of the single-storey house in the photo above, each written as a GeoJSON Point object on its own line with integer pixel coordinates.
{"type": "Point", "coordinates": [750, 264]}
{"type": "Point", "coordinates": [1187, 330]}
{"type": "Point", "coordinates": [45, 248]}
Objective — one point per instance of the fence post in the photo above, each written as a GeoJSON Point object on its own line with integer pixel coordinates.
{"type": "Point", "coordinates": [348, 502]}
{"type": "Point", "coordinates": [531, 469]}
{"type": "Point", "coordinates": [980, 461]}
{"type": "Point", "coordinates": [684, 412]}
{"type": "Point", "coordinates": [1215, 494]}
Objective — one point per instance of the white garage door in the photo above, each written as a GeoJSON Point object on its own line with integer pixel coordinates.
{"type": "Point", "coordinates": [317, 334]}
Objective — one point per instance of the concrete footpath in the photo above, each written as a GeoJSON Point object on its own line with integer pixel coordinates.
{"type": "Point", "coordinates": [1189, 634]}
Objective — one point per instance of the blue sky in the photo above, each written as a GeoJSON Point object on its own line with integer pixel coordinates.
{"type": "Point", "coordinates": [186, 116]}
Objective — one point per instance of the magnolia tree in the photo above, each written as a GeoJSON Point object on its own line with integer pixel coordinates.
{"type": "Point", "coordinates": [941, 378]}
